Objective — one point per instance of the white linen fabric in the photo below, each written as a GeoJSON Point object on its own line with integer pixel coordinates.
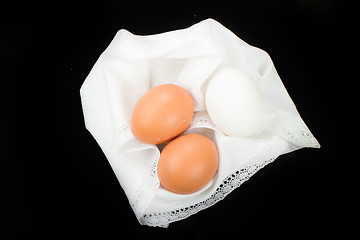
{"type": "Point", "coordinates": [132, 64]}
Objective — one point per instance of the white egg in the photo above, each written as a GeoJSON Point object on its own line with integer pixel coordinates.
{"type": "Point", "coordinates": [233, 102]}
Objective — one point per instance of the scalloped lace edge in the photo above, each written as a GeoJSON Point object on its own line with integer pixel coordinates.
{"type": "Point", "coordinates": [230, 183]}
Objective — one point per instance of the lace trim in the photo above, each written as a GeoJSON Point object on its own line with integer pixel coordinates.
{"type": "Point", "coordinates": [231, 182]}
{"type": "Point", "coordinates": [298, 134]}
{"type": "Point", "coordinates": [146, 193]}
{"type": "Point", "coordinates": [201, 119]}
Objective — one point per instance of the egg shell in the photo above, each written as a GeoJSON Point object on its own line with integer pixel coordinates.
{"type": "Point", "coordinates": [188, 163]}
{"type": "Point", "coordinates": [162, 113]}
{"type": "Point", "coordinates": [233, 102]}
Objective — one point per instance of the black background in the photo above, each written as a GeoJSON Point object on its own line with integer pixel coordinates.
{"type": "Point", "coordinates": [58, 182]}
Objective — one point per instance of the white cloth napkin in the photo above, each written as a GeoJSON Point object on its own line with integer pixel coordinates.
{"type": "Point", "coordinates": [133, 64]}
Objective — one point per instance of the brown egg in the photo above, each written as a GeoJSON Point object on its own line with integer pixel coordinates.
{"type": "Point", "coordinates": [162, 113]}
{"type": "Point", "coordinates": [188, 163]}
